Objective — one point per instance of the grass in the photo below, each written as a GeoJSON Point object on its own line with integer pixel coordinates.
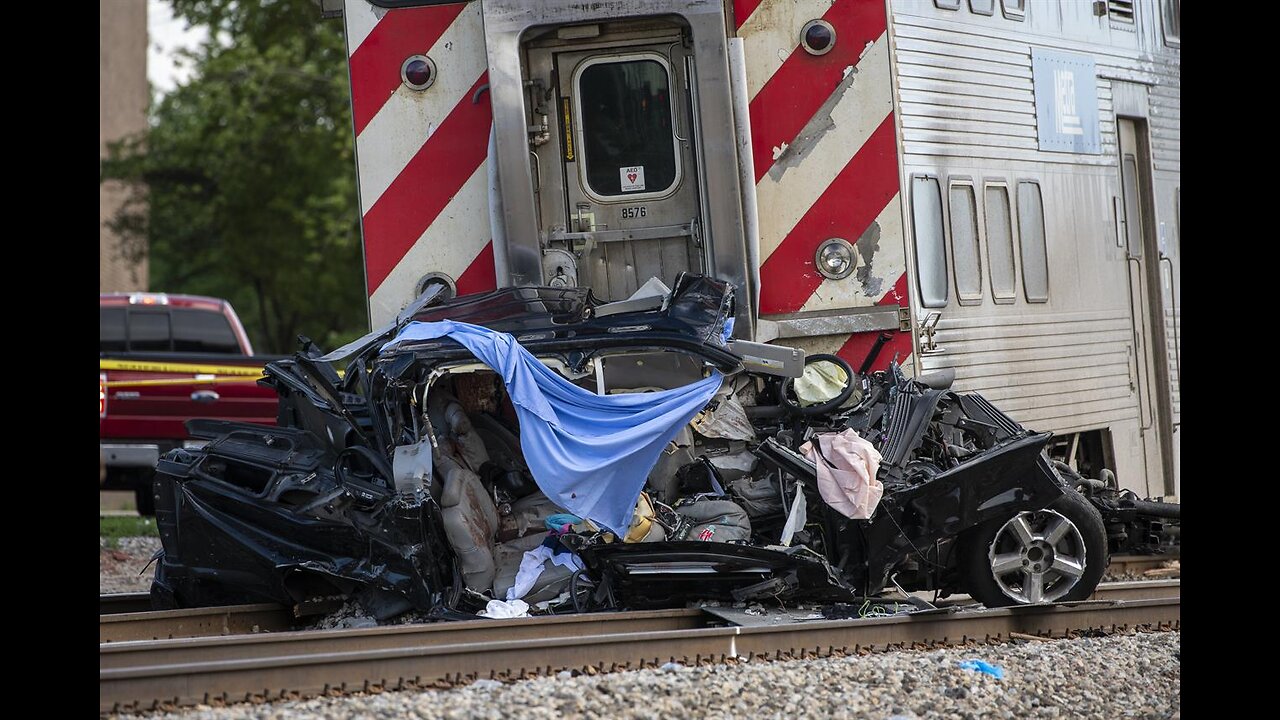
{"type": "Point", "coordinates": [113, 527]}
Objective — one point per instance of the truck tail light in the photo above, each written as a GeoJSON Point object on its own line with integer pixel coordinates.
{"type": "Point", "coordinates": [102, 395]}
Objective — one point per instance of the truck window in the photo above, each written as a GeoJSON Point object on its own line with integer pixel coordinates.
{"type": "Point", "coordinates": [203, 331]}
{"type": "Point", "coordinates": [149, 331]}
{"type": "Point", "coordinates": [111, 334]}
{"type": "Point", "coordinates": [625, 107]}
{"type": "Point", "coordinates": [162, 329]}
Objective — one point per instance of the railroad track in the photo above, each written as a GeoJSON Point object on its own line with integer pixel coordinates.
{"type": "Point", "coordinates": [147, 674]}
{"type": "Point", "coordinates": [125, 617]}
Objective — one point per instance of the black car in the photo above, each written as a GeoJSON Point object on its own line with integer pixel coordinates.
{"type": "Point", "coordinates": [402, 480]}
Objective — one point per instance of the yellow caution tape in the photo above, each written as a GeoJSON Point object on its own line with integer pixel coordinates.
{"type": "Point", "coordinates": [182, 381]}
{"type": "Point", "coordinates": [196, 369]}
{"type": "Point", "coordinates": [237, 373]}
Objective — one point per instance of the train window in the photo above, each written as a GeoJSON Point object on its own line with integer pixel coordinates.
{"type": "Point", "coordinates": [625, 106]}
{"type": "Point", "coordinates": [964, 243]}
{"type": "Point", "coordinates": [999, 227]}
{"type": "Point", "coordinates": [1035, 260]}
{"type": "Point", "coordinates": [1172, 11]}
{"type": "Point", "coordinates": [947, 4]}
{"type": "Point", "coordinates": [982, 7]}
{"type": "Point", "coordinates": [1014, 9]}
{"type": "Point", "coordinates": [931, 249]}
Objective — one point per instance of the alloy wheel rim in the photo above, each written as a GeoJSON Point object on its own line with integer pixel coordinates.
{"type": "Point", "coordinates": [1037, 557]}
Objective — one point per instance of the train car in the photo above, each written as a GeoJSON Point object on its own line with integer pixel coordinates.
{"type": "Point", "coordinates": [990, 186]}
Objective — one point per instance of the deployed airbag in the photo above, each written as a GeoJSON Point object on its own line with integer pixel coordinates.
{"type": "Point", "coordinates": [847, 467]}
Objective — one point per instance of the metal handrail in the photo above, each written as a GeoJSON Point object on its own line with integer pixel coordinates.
{"type": "Point", "coordinates": [1133, 316]}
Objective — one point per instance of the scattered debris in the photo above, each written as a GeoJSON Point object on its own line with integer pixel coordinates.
{"type": "Point", "coordinates": [485, 684]}
{"type": "Point", "coordinates": [504, 609]}
{"type": "Point", "coordinates": [983, 667]}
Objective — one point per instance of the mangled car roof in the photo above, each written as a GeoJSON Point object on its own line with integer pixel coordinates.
{"type": "Point", "coordinates": [696, 315]}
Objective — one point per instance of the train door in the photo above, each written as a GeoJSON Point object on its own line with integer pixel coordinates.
{"type": "Point", "coordinates": [618, 191]}
{"type": "Point", "coordinates": [1147, 300]}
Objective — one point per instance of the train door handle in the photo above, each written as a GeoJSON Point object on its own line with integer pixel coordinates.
{"type": "Point", "coordinates": [205, 396]}
{"type": "Point", "coordinates": [586, 220]}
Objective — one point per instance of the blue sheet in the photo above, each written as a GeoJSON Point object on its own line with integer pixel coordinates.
{"type": "Point", "coordinates": [589, 453]}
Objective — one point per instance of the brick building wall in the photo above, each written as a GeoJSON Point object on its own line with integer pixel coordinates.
{"type": "Point", "coordinates": [123, 97]}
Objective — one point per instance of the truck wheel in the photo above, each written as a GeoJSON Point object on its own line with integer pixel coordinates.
{"type": "Point", "coordinates": [145, 495]}
{"type": "Point", "coordinates": [1052, 555]}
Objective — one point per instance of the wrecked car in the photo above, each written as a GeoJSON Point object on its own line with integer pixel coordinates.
{"type": "Point", "coordinates": [536, 444]}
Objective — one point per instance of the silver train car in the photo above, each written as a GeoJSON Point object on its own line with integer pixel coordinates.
{"type": "Point", "coordinates": [1044, 238]}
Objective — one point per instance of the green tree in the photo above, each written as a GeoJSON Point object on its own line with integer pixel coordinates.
{"type": "Point", "coordinates": [250, 177]}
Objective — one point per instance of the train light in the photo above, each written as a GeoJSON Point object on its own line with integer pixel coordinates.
{"type": "Point", "coordinates": [818, 37]}
{"type": "Point", "coordinates": [418, 72]}
{"type": "Point", "coordinates": [836, 258]}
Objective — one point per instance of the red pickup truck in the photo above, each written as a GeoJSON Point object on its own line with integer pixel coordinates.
{"type": "Point", "coordinates": [164, 360]}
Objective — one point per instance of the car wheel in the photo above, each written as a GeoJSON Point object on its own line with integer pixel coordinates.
{"type": "Point", "coordinates": [1052, 555]}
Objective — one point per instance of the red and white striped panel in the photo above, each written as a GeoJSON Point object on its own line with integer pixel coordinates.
{"type": "Point", "coordinates": [822, 130]}
{"type": "Point", "coordinates": [421, 156]}
{"type": "Point", "coordinates": [826, 161]}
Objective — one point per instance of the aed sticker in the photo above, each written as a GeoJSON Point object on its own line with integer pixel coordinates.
{"type": "Point", "coordinates": [632, 178]}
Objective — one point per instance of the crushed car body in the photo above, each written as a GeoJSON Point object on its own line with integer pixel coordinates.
{"type": "Point", "coordinates": [534, 443]}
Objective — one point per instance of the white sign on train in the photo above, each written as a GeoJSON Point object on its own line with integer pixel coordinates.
{"type": "Point", "coordinates": [632, 178]}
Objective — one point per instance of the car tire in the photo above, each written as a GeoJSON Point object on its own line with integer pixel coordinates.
{"type": "Point", "coordinates": [1057, 554]}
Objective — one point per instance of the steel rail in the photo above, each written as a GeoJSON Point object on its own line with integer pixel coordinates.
{"type": "Point", "coordinates": [194, 622]}
{"type": "Point", "coordinates": [110, 603]}
{"type": "Point", "coordinates": [123, 623]}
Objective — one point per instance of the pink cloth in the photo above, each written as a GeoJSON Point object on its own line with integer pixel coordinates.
{"type": "Point", "coordinates": [847, 467]}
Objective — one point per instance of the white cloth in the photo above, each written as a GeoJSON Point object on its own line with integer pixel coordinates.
{"type": "Point", "coordinates": [500, 609]}
{"type": "Point", "coordinates": [796, 519]}
{"type": "Point", "coordinates": [531, 569]}
{"type": "Point", "coordinates": [847, 467]}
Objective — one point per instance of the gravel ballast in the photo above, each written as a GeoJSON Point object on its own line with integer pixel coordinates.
{"type": "Point", "coordinates": [1168, 570]}
{"type": "Point", "coordinates": [118, 567]}
{"type": "Point", "coordinates": [1119, 676]}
